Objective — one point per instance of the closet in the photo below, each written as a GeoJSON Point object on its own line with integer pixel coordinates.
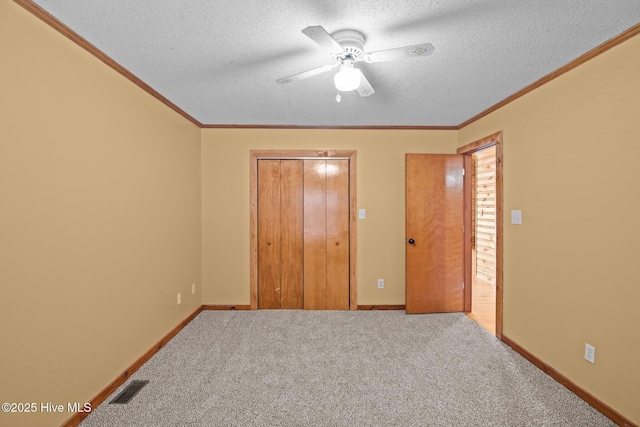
{"type": "Point", "coordinates": [303, 234]}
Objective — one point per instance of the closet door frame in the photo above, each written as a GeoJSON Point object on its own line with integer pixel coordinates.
{"type": "Point", "coordinates": [256, 155]}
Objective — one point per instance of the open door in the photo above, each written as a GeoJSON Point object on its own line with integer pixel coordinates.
{"type": "Point", "coordinates": [435, 233]}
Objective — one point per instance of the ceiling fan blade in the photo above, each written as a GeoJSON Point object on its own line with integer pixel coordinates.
{"type": "Point", "coordinates": [423, 49]}
{"type": "Point", "coordinates": [319, 35]}
{"type": "Point", "coordinates": [365, 88]}
{"type": "Point", "coordinates": [307, 74]}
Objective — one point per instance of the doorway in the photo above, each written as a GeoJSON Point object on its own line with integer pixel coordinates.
{"type": "Point", "coordinates": [483, 239]}
{"type": "Point", "coordinates": [484, 246]}
{"type": "Point", "coordinates": [311, 195]}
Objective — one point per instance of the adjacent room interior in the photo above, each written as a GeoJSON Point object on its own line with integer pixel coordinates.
{"type": "Point", "coordinates": [483, 263]}
{"type": "Point", "coordinates": [112, 203]}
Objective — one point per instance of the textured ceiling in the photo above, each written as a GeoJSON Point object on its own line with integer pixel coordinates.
{"type": "Point", "coordinates": [219, 60]}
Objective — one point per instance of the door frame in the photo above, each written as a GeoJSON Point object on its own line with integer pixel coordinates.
{"type": "Point", "coordinates": [254, 156]}
{"type": "Point", "coordinates": [467, 151]}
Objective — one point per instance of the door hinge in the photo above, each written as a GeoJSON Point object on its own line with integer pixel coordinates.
{"type": "Point", "coordinates": [463, 171]}
{"type": "Point", "coordinates": [462, 285]}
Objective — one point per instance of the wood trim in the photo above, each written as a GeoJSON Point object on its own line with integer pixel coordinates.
{"type": "Point", "coordinates": [296, 154]}
{"type": "Point", "coordinates": [480, 144]}
{"type": "Point", "coordinates": [253, 230]}
{"type": "Point", "coordinates": [254, 155]}
{"type": "Point", "coordinates": [227, 307]}
{"type": "Point", "coordinates": [499, 234]}
{"type": "Point", "coordinates": [494, 139]}
{"type": "Point", "coordinates": [596, 403]}
{"type": "Point", "coordinates": [83, 43]}
{"type": "Point", "coordinates": [382, 307]}
{"type": "Point", "coordinates": [254, 126]}
{"type": "Point", "coordinates": [353, 235]}
{"type": "Point", "coordinates": [77, 418]}
{"type": "Point", "coordinates": [80, 41]}
{"type": "Point", "coordinates": [624, 36]}
{"type": "Point", "coordinates": [468, 232]}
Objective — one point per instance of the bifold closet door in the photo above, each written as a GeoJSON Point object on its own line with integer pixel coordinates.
{"type": "Point", "coordinates": [280, 234]}
{"type": "Point", "coordinates": [326, 234]}
{"type": "Point", "coordinates": [303, 234]}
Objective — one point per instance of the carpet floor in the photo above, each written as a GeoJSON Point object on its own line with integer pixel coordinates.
{"type": "Point", "coordinates": [342, 368]}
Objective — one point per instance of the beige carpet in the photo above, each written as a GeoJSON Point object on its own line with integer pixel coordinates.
{"type": "Point", "coordinates": [329, 368]}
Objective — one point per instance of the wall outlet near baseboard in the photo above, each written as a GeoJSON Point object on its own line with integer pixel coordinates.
{"type": "Point", "coordinates": [380, 283]}
{"type": "Point", "coordinates": [590, 353]}
{"type": "Point", "coordinates": [179, 298]}
{"type": "Point", "coordinates": [193, 288]}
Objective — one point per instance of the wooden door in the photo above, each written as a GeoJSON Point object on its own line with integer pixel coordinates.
{"type": "Point", "coordinates": [315, 235]}
{"type": "Point", "coordinates": [326, 234]}
{"type": "Point", "coordinates": [303, 234]}
{"type": "Point", "coordinates": [337, 172]}
{"type": "Point", "coordinates": [280, 234]}
{"type": "Point", "coordinates": [434, 233]}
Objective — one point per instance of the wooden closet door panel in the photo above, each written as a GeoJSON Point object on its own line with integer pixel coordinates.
{"type": "Point", "coordinates": [291, 234]}
{"type": "Point", "coordinates": [315, 235]}
{"type": "Point", "coordinates": [337, 234]}
{"type": "Point", "coordinates": [269, 234]}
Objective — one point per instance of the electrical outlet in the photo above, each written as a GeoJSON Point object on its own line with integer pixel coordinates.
{"type": "Point", "coordinates": [590, 353]}
{"type": "Point", "coordinates": [179, 298]}
{"type": "Point", "coordinates": [193, 288]}
{"type": "Point", "coordinates": [380, 283]}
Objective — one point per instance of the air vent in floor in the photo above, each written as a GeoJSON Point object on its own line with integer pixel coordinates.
{"type": "Point", "coordinates": [130, 391]}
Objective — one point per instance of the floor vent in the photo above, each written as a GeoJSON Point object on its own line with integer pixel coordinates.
{"type": "Point", "coordinates": [130, 391]}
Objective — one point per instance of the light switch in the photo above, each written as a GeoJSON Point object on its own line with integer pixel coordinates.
{"type": "Point", "coordinates": [362, 214]}
{"type": "Point", "coordinates": [516, 217]}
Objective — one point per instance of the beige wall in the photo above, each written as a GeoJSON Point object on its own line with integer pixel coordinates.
{"type": "Point", "coordinates": [380, 190]}
{"type": "Point", "coordinates": [571, 151]}
{"type": "Point", "coordinates": [99, 219]}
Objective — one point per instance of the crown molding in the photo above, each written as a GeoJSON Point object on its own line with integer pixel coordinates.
{"type": "Point", "coordinates": [624, 36]}
{"type": "Point", "coordinates": [229, 126]}
{"type": "Point", "coordinates": [76, 38]}
{"type": "Point", "coordinates": [83, 43]}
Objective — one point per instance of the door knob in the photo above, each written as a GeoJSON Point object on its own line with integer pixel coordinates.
{"type": "Point", "coordinates": [411, 241]}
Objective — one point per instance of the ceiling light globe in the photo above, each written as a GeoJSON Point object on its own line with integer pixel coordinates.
{"type": "Point", "coordinates": [347, 79]}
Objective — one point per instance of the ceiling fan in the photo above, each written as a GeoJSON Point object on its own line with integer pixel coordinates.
{"type": "Point", "coordinates": [346, 48]}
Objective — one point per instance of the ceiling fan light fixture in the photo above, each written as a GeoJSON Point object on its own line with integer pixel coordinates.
{"type": "Point", "coordinates": [346, 48]}
{"type": "Point", "coordinates": [348, 78]}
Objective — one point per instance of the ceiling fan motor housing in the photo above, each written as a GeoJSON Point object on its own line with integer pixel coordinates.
{"type": "Point", "coordinates": [353, 44]}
